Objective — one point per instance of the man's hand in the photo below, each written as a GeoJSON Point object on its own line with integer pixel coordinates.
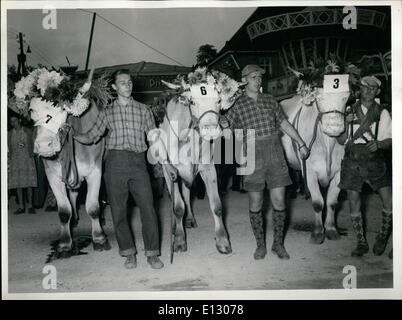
{"type": "Point", "coordinates": [227, 134]}
{"type": "Point", "coordinates": [373, 145]}
{"type": "Point", "coordinates": [304, 151]}
{"type": "Point", "coordinates": [349, 118]}
{"type": "Point", "coordinates": [83, 138]}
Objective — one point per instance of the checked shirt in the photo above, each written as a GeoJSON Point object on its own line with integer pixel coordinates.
{"type": "Point", "coordinates": [127, 125]}
{"type": "Point", "coordinates": [264, 115]}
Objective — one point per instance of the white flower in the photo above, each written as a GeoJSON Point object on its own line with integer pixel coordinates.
{"type": "Point", "coordinates": [210, 79]}
{"type": "Point", "coordinates": [48, 79]}
{"type": "Point", "coordinates": [78, 106]}
{"type": "Point", "coordinates": [331, 66]}
{"type": "Point", "coordinates": [227, 88]}
{"type": "Point", "coordinates": [23, 88]}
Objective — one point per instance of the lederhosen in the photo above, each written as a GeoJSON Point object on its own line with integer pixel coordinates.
{"type": "Point", "coordinates": [359, 164]}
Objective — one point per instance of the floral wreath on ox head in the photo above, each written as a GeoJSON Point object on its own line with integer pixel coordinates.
{"type": "Point", "coordinates": [313, 78]}
{"type": "Point", "coordinates": [227, 88]}
{"type": "Point", "coordinates": [60, 91]}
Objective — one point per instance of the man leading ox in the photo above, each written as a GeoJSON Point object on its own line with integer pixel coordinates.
{"type": "Point", "coordinates": [128, 122]}
{"type": "Point", "coordinates": [261, 112]}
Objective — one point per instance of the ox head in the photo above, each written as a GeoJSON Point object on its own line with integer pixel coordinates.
{"type": "Point", "coordinates": [332, 105]}
{"type": "Point", "coordinates": [48, 120]}
{"type": "Point", "coordinates": [328, 88]}
{"type": "Point", "coordinates": [206, 93]}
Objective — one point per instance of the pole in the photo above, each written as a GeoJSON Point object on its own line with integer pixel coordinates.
{"type": "Point", "coordinates": [90, 41]}
{"type": "Point", "coordinates": [22, 70]}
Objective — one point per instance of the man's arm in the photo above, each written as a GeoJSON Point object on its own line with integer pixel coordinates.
{"type": "Point", "coordinates": [384, 138]}
{"type": "Point", "coordinates": [95, 133]}
{"type": "Point", "coordinates": [287, 128]}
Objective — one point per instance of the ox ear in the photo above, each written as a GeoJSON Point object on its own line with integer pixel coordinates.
{"type": "Point", "coordinates": [171, 85]}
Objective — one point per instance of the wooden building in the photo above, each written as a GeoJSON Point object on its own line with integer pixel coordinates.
{"type": "Point", "coordinates": [147, 78]}
{"type": "Point", "coordinates": [278, 37]}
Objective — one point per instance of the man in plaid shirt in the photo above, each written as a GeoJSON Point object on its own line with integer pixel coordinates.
{"type": "Point", "coordinates": [127, 122]}
{"type": "Point", "coordinates": [261, 112]}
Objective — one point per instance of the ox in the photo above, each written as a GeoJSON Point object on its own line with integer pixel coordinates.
{"type": "Point", "coordinates": [319, 120]}
{"type": "Point", "coordinates": [87, 159]}
{"type": "Point", "coordinates": [191, 121]}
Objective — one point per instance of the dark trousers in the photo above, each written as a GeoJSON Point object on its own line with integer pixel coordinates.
{"type": "Point", "coordinates": [126, 171]}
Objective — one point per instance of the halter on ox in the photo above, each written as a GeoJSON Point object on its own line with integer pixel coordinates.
{"type": "Point", "coordinates": [191, 121]}
{"type": "Point", "coordinates": [67, 163]}
{"type": "Point", "coordinates": [317, 112]}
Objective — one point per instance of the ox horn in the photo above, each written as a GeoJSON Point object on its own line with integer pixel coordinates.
{"type": "Point", "coordinates": [171, 85]}
{"type": "Point", "coordinates": [241, 84]}
{"type": "Point", "coordinates": [296, 73]}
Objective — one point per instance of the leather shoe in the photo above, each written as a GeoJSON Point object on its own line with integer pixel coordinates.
{"type": "Point", "coordinates": [131, 262]}
{"type": "Point", "coordinates": [19, 211]}
{"type": "Point", "coordinates": [155, 262]}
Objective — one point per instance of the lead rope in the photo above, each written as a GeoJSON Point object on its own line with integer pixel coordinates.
{"type": "Point", "coordinates": [306, 189]}
{"type": "Point", "coordinates": [171, 221]}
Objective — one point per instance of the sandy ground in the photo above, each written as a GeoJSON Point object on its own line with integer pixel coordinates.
{"type": "Point", "coordinates": [201, 267]}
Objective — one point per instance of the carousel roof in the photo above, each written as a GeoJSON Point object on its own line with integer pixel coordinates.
{"type": "Point", "coordinates": [269, 23]}
{"type": "Point", "coordinates": [144, 68]}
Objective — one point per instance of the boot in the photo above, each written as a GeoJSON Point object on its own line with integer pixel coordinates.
{"type": "Point", "coordinates": [383, 235]}
{"type": "Point", "coordinates": [362, 246]}
{"type": "Point", "coordinates": [257, 225]}
{"type": "Point", "coordinates": [279, 218]}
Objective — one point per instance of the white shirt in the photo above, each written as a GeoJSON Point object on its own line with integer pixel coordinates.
{"type": "Point", "coordinates": [384, 127]}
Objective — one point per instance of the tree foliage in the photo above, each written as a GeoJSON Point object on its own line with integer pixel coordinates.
{"type": "Point", "coordinates": [206, 53]}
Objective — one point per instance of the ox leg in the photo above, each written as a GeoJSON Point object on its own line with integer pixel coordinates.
{"type": "Point", "coordinates": [64, 210]}
{"type": "Point", "coordinates": [73, 195]}
{"type": "Point", "coordinates": [100, 241]}
{"type": "Point", "coordinates": [332, 200]}
{"type": "Point", "coordinates": [189, 221]}
{"type": "Point", "coordinates": [179, 242]}
{"type": "Point", "coordinates": [317, 235]}
{"type": "Point", "coordinates": [221, 236]}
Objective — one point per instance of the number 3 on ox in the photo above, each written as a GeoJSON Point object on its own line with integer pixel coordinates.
{"type": "Point", "coordinates": [336, 83]}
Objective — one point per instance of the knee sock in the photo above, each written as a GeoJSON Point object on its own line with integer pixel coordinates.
{"type": "Point", "coordinates": [357, 222]}
{"type": "Point", "coordinates": [257, 225]}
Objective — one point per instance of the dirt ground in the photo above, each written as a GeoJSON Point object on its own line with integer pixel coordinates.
{"type": "Point", "coordinates": [201, 267]}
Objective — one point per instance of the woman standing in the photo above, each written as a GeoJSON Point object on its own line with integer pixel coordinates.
{"type": "Point", "coordinates": [22, 170]}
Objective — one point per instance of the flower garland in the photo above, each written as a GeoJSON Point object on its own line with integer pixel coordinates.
{"type": "Point", "coordinates": [227, 88]}
{"type": "Point", "coordinates": [314, 76]}
{"type": "Point", "coordinates": [59, 89]}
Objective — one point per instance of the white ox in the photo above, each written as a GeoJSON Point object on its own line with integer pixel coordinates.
{"type": "Point", "coordinates": [88, 161]}
{"type": "Point", "coordinates": [191, 121]}
{"type": "Point", "coordinates": [319, 121]}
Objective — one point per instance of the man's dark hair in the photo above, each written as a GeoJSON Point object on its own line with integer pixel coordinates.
{"type": "Point", "coordinates": [119, 72]}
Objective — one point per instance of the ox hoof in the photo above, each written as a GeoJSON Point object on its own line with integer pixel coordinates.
{"type": "Point", "coordinates": [317, 237]}
{"type": "Point", "coordinates": [180, 247]}
{"type": "Point", "coordinates": [224, 250]}
{"type": "Point", "coordinates": [190, 224]}
{"type": "Point", "coordinates": [332, 234]}
{"type": "Point", "coordinates": [65, 254]}
{"type": "Point", "coordinates": [223, 246]}
{"type": "Point", "coordinates": [102, 246]}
